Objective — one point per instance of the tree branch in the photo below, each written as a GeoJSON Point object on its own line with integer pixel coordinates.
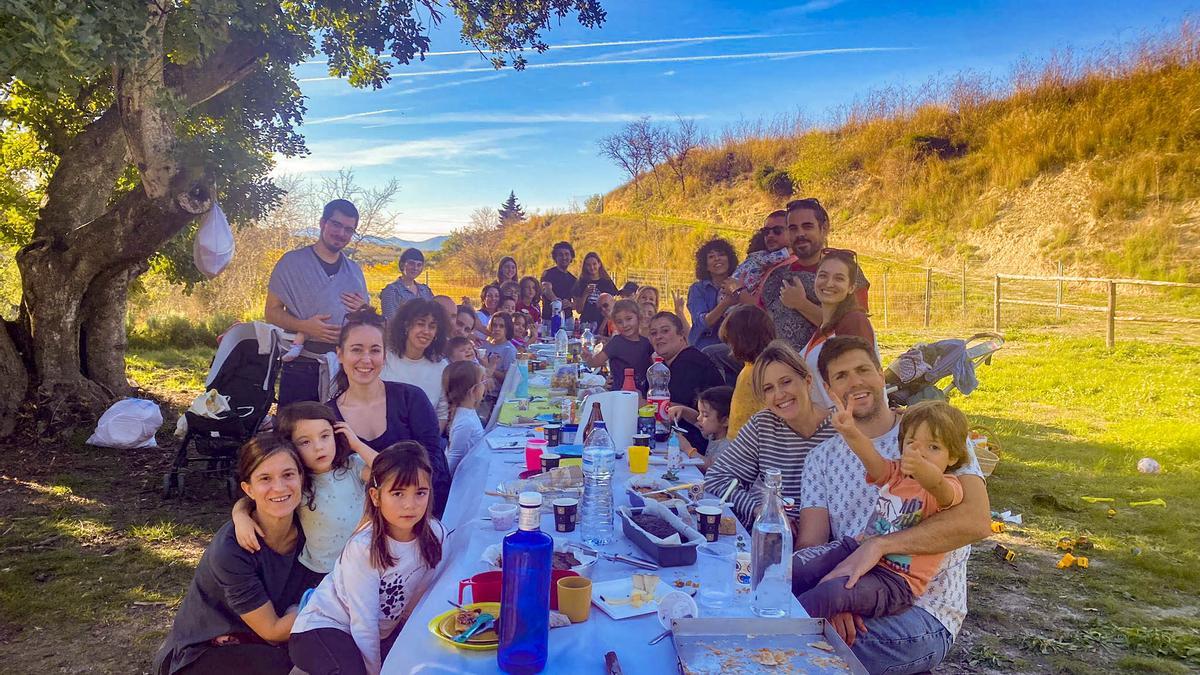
{"type": "Point", "coordinates": [194, 85]}
{"type": "Point", "coordinates": [85, 178]}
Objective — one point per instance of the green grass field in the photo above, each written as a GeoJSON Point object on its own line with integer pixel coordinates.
{"type": "Point", "coordinates": [93, 561]}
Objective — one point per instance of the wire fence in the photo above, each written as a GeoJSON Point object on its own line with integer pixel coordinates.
{"type": "Point", "coordinates": [909, 297]}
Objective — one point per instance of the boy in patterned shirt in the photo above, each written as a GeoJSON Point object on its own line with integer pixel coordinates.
{"type": "Point", "coordinates": [933, 435]}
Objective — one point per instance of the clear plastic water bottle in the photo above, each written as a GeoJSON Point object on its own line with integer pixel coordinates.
{"type": "Point", "coordinates": [525, 592]}
{"type": "Point", "coordinates": [596, 509]}
{"type": "Point", "coordinates": [658, 393]}
{"type": "Point", "coordinates": [589, 342]}
{"type": "Point", "coordinates": [561, 343]}
{"type": "Point", "coordinates": [674, 455]}
{"type": "Point", "coordinates": [771, 554]}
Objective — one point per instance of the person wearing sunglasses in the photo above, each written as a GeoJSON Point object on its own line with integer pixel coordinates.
{"type": "Point", "coordinates": [835, 284]}
{"type": "Point", "coordinates": [311, 290]}
{"type": "Point", "coordinates": [788, 294]}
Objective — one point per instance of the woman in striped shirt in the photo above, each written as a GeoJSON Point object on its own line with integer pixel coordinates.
{"type": "Point", "coordinates": [778, 437]}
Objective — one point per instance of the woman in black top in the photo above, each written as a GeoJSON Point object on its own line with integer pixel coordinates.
{"type": "Point", "coordinates": [382, 413]}
{"type": "Point", "coordinates": [593, 280]}
{"type": "Point", "coordinates": [239, 602]}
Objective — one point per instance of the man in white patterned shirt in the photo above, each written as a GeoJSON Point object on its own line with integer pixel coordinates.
{"type": "Point", "coordinates": [836, 501]}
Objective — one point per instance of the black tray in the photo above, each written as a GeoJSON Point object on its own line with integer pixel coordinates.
{"type": "Point", "coordinates": [665, 556]}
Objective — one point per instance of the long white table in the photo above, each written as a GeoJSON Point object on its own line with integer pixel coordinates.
{"type": "Point", "coordinates": [573, 649]}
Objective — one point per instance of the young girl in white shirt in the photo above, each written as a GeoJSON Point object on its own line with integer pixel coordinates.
{"type": "Point", "coordinates": [338, 463]}
{"type": "Point", "coordinates": [382, 572]}
{"type": "Point", "coordinates": [465, 383]}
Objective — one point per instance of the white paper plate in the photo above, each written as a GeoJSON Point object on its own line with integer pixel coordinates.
{"type": "Point", "coordinates": [621, 588]}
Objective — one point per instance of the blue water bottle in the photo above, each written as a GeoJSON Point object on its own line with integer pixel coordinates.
{"type": "Point", "coordinates": [525, 592]}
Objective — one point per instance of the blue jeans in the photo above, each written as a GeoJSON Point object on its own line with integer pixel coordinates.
{"type": "Point", "coordinates": [910, 642]}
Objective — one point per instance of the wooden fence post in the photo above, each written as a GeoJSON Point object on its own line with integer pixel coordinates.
{"type": "Point", "coordinates": [996, 305]}
{"type": "Point", "coordinates": [885, 298]}
{"type": "Point", "coordinates": [928, 293]}
{"type": "Point", "coordinates": [1111, 336]}
{"type": "Point", "coordinates": [1058, 295]}
{"type": "Point", "coordinates": [964, 292]}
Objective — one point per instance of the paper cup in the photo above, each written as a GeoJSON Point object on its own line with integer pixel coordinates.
{"type": "Point", "coordinates": [566, 513]}
{"type": "Point", "coordinates": [550, 460]}
{"type": "Point", "coordinates": [710, 522]}
{"type": "Point", "coordinates": [575, 598]}
{"type": "Point", "coordinates": [553, 435]}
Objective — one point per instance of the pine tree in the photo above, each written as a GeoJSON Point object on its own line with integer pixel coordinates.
{"type": "Point", "coordinates": [511, 211]}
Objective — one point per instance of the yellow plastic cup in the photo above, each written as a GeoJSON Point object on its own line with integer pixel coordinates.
{"type": "Point", "coordinates": [639, 459]}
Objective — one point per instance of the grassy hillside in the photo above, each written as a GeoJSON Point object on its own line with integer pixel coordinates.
{"type": "Point", "coordinates": [1093, 162]}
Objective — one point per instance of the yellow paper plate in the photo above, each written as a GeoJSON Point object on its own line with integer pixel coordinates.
{"type": "Point", "coordinates": [481, 642]}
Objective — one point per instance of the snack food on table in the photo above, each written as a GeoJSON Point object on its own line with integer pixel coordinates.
{"type": "Point", "coordinates": [564, 560]}
{"type": "Point", "coordinates": [772, 657]}
{"type": "Point", "coordinates": [464, 619]}
{"type": "Point", "coordinates": [728, 526]}
{"type": "Point", "coordinates": [644, 586]}
{"type": "Point", "coordinates": [654, 525]}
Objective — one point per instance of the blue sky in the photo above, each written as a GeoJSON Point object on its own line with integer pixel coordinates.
{"type": "Point", "coordinates": [459, 135]}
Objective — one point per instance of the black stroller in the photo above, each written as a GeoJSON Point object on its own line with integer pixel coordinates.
{"type": "Point", "coordinates": [247, 377]}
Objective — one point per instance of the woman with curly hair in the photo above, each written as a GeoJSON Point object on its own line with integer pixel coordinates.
{"type": "Point", "coordinates": [417, 337]}
{"type": "Point", "coordinates": [714, 292]}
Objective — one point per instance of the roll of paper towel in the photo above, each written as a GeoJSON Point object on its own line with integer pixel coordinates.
{"type": "Point", "coordinates": [620, 410]}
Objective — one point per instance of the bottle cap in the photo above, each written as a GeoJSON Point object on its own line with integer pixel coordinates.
{"type": "Point", "coordinates": [530, 499]}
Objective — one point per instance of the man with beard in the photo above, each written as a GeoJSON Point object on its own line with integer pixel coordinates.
{"type": "Point", "coordinates": [557, 282]}
{"type": "Point", "coordinates": [788, 294]}
{"type": "Point", "coordinates": [836, 501]}
{"type": "Point", "coordinates": [310, 291]}
{"type": "Point", "coordinates": [691, 371]}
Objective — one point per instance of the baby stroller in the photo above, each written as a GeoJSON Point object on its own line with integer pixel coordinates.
{"type": "Point", "coordinates": [245, 374]}
{"type": "Point", "coordinates": [915, 374]}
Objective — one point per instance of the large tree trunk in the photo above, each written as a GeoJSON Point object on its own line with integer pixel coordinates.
{"type": "Point", "coordinates": [89, 243]}
{"type": "Point", "coordinates": [103, 316]}
{"type": "Point", "coordinates": [15, 378]}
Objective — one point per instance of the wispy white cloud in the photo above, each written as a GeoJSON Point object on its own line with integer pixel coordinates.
{"type": "Point", "coordinates": [364, 152]}
{"type": "Point", "coordinates": [617, 43]}
{"type": "Point", "coordinates": [662, 59]}
{"type": "Point", "coordinates": [519, 118]}
{"type": "Point", "coordinates": [350, 116]}
{"type": "Point", "coordinates": [585, 83]}
{"type": "Point", "coordinates": [444, 85]}
{"type": "Point", "coordinates": [668, 73]}
{"type": "Point", "coordinates": [810, 7]}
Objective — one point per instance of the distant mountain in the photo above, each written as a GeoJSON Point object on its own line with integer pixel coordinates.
{"type": "Point", "coordinates": [431, 244]}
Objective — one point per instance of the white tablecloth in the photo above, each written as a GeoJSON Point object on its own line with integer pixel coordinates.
{"type": "Point", "coordinates": [573, 649]}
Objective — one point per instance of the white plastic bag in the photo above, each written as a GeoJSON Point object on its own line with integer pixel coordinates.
{"type": "Point", "coordinates": [210, 404]}
{"type": "Point", "coordinates": [128, 423]}
{"type": "Point", "coordinates": [213, 248]}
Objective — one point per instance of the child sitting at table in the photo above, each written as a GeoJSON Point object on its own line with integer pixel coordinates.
{"type": "Point", "coordinates": [464, 382]}
{"type": "Point", "coordinates": [627, 349]}
{"type": "Point", "coordinates": [711, 417]}
{"type": "Point", "coordinates": [460, 348]}
{"type": "Point", "coordinates": [520, 321]}
{"type": "Point", "coordinates": [384, 569]}
{"type": "Point", "coordinates": [934, 441]}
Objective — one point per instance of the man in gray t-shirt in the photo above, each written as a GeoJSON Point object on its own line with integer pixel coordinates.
{"type": "Point", "coordinates": [311, 290]}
